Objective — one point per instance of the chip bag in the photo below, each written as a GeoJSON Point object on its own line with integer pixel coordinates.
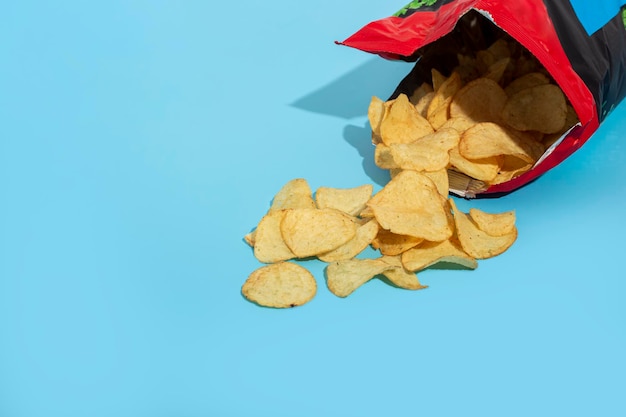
{"type": "Point", "coordinates": [581, 47]}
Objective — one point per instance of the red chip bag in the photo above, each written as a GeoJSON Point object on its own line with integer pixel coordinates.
{"type": "Point", "coordinates": [583, 52]}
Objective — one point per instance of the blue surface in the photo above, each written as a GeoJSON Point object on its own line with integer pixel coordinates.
{"type": "Point", "coordinates": [140, 141]}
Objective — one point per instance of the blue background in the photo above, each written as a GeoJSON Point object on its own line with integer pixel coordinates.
{"type": "Point", "coordinates": [141, 140]}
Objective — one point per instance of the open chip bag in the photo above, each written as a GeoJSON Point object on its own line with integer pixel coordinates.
{"type": "Point", "coordinates": [525, 83]}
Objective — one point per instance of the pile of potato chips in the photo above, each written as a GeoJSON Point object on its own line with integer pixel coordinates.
{"type": "Point", "coordinates": [411, 222]}
{"type": "Point", "coordinates": [490, 120]}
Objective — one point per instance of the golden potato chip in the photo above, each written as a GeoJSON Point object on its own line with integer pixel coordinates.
{"type": "Point", "coordinates": [280, 285]}
{"type": "Point", "coordinates": [269, 246]}
{"type": "Point", "coordinates": [438, 108]}
{"type": "Point", "coordinates": [376, 112]}
{"type": "Point", "coordinates": [496, 70]}
{"type": "Point", "coordinates": [348, 200]}
{"type": "Point", "coordinates": [344, 277]}
{"type": "Point", "coordinates": [440, 179]}
{"type": "Point", "coordinates": [250, 237]}
{"type": "Point", "coordinates": [365, 234]}
{"type": "Point", "coordinates": [486, 140]}
{"type": "Point", "coordinates": [571, 119]}
{"type": "Point", "coordinates": [383, 157]}
{"type": "Point", "coordinates": [420, 92]}
{"type": "Point", "coordinates": [295, 194]}
{"type": "Point", "coordinates": [403, 124]}
{"type": "Point", "coordinates": [458, 123]}
{"type": "Point", "coordinates": [542, 108]}
{"type": "Point", "coordinates": [366, 213]}
{"type": "Point", "coordinates": [532, 79]}
{"type": "Point", "coordinates": [422, 104]}
{"type": "Point", "coordinates": [399, 276]}
{"type": "Point", "coordinates": [437, 79]}
{"type": "Point", "coordinates": [511, 167]}
{"type": "Point", "coordinates": [476, 242]}
{"type": "Point", "coordinates": [480, 100]}
{"type": "Point", "coordinates": [429, 153]}
{"type": "Point", "coordinates": [389, 243]}
{"type": "Point", "coordinates": [310, 232]}
{"type": "Point", "coordinates": [499, 49]}
{"type": "Point", "coordinates": [431, 253]}
{"type": "Point", "coordinates": [485, 169]}
{"type": "Point", "coordinates": [494, 224]}
{"type": "Point", "coordinates": [410, 204]}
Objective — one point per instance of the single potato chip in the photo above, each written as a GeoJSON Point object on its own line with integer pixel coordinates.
{"type": "Point", "coordinates": [485, 169]}
{"type": "Point", "coordinates": [344, 277]}
{"type": "Point", "coordinates": [480, 100]}
{"type": "Point", "coordinates": [391, 244]}
{"type": "Point", "coordinates": [269, 246]}
{"type": "Point", "coordinates": [431, 253]}
{"type": "Point", "coordinates": [399, 276]}
{"type": "Point", "coordinates": [403, 124]}
{"type": "Point", "coordinates": [476, 242]}
{"type": "Point", "coordinates": [349, 200]}
{"type": "Point", "coordinates": [310, 232]}
{"type": "Point", "coordinates": [420, 92]}
{"type": "Point", "coordinates": [438, 108]}
{"type": "Point", "coordinates": [422, 104]}
{"type": "Point", "coordinates": [376, 112]}
{"type": "Point", "coordinates": [532, 79]}
{"type": "Point", "coordinates": [542, 108]}
{"type": "Point", "coordinates": [364, 236]}
{"type": "Point", "coordinates": [410, 204]}
{"type": "Point", "coordinates": [280, 285]}
{"type": "Point", "coordinates": [486, 140]}
{"type": "Point", "coordinates": [494, 224]}
{"type": "Point", "coordinates": [429, 153]}
{"type": "Point", "coordinates": [295, 194]}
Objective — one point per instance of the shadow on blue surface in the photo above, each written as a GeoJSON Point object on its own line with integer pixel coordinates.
{"type": "Point", "coordinates": [349, 95]}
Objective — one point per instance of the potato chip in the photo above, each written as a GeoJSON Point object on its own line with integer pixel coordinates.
{"type": "Point", "coordinates": [344, 277]}
{"type": "Point", "coordinates": [403, 124]}
{"type": "Point", "coordinates": [485, 169]}
{"type": "Point", "coordinates": [383, 157]}
{"type": "Point", "coordinates": [437, 79]}
{"type": "Point", "coordinates": [429, 153]}
{"type": "Point", "coordinates": [399, 276]}
{"type": "Point", "coordinates": [511, 167]}
{"type": "Point", "coordinates": [269, 245]}
{"type": "Point", "coordinates": [480, 100]}
{"type": "Point", "coordinates": [496, 70]}
{"type": "Point", "coordinates": [458, 123]}
{"type": "Point", "coordinates": [476, 242]}
{"type": "Point", "coordinates": [542, 108]}
{"type": "Point", "coordinates": [440, 179]}
{"type": "Point", "coordinates": [410, 204]}
{"type": "Point", "coordinates": [430, 253]}
{"type": "Point", "coordinates": [486, 140]}
{"type": "Point", "coordinates": [295, 194]}
{"type": "Point", "coordinates": [532, 79]}
{"type": "Point", "coordinates": [249, 238]}
{"type": "Point", "coordinates": [365, 234]}
{"type": "Point", "coordinates": [422, 104]}
{"type": "Point", "coordinates": [438, 108]}
{"type": "Point", "coordinates": [376, 113]}
{"type": "Point", "coordinates": [420, 92]}
{"type": "Point", "coordinates": [389, 243]}
{"type": "Point", "coordinates": [280, 285]}
{"type": "Point", "coordinates": [494, 224]}
{"type": "Point", "coordinates": [310, 232]}
{"type": "Point", "coordinates": [349, 200]}
{"type": "Point", "coordinates": [571, 119]}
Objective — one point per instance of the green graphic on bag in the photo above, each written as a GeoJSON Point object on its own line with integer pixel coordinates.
{"type": "Point", "coordinates": [414, 5]}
